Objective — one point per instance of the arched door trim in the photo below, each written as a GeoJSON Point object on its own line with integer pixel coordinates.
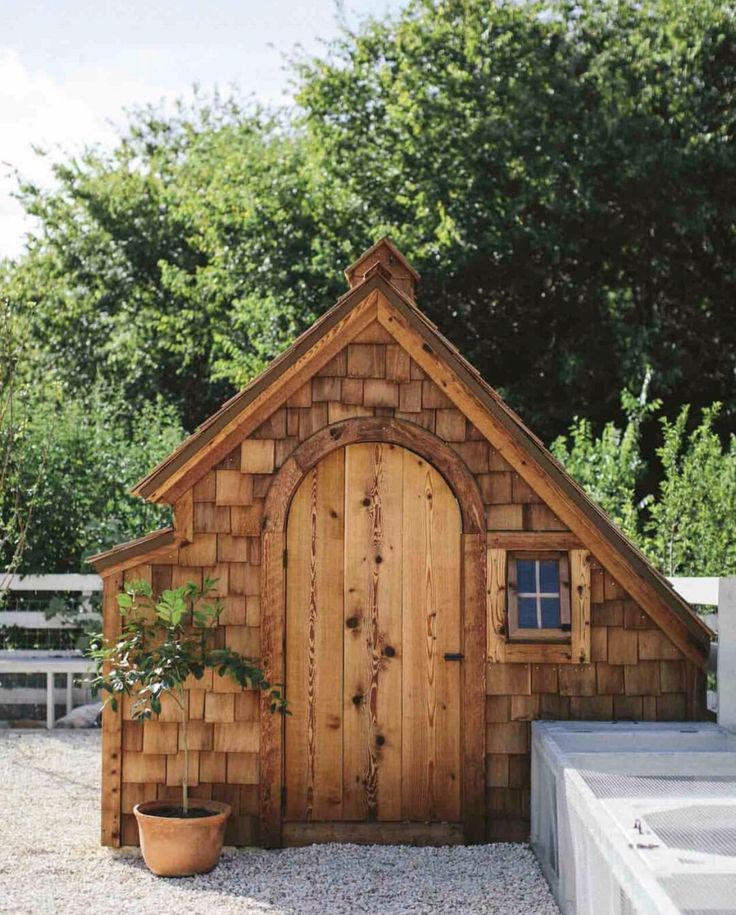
{"type": "Point", "coordinates": [273, 604]}
{"type": "Point", "coordinates": [375, 429]}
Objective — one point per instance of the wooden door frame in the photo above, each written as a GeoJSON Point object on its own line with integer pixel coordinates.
{"type": "Point", "coordinates": [473, 590]}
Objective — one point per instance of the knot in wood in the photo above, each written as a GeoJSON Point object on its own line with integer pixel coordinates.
{"type": "Point", "coordinates": [352, 622]}
{"type": "Point", "coordinates": [389, 651]}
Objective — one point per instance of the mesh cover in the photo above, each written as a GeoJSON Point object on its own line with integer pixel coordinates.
{"type": "Point", "coordinates": [711, 894]}
{"type": "Point", "coordinates": [613, 784]}
{"type": "Point", "coordinates": [710, 830]}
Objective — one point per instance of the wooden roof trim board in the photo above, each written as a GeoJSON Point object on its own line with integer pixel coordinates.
{"type": "Point", "coordinates": [136, 552]}
{"type": "Point", "coordinates": [377, 297]}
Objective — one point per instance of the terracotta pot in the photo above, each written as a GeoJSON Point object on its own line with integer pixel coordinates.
{"type": "Point", "coordinates": [178, 847]}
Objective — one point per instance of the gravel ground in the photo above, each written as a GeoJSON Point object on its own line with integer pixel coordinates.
{"type": "Point", "coordinates": [50, 860]}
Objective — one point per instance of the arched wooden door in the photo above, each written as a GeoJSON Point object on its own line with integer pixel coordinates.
{"type": "Point", "coordinates": [373, 620]}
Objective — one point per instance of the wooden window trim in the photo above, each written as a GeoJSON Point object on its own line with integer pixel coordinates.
{"type": "Point", "coordinates": [515, 632]}
{"type": "Point", "coordinates": [501, 649]}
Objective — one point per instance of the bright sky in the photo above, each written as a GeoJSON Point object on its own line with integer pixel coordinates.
{"type": "Point", "coordinates": [68, 68]}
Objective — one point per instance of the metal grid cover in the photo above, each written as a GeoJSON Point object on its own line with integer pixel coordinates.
{"type": "Point", "coordinates": [705, 829]}
{"type": "Point", "coordinates": [703, 894]}
{"type": "Point", "coordinates": [617, 785]}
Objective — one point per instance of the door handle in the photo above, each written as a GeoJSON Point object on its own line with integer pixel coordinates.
{"type": "Point", "coordinates": [454, 656]}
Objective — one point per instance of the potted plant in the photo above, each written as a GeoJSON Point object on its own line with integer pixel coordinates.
{"type": "Point", "coordinates": [163, 643]}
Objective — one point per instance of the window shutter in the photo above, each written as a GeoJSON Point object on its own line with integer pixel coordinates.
{"type": "Point", "coordinates": [565, 606]}
{"type": "Point", "coordinates": [496, 603]}
{"type": "Point", "coordinates": [580, 605]}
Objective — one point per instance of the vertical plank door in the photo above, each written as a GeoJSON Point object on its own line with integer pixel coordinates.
{"type": "Point", "coordinates": [372, 606]}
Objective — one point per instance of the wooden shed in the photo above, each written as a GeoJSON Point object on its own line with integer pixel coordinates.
{"type": "Point", "coordinates": [423, 577]}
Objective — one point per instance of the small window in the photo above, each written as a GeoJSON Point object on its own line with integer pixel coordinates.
{"type": "Point", "coordinates": [539, 596]}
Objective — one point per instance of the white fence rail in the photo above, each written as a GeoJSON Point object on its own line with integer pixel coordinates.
{"type": "Point", "coordinates": [49, 661]}
{"type": "Point", "coordinates": [707, 591]}
{"type": "Point", "coordinates": [86, 585]}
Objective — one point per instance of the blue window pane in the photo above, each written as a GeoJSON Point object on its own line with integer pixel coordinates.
{"type": "Point", "coordinates": [526, 581]}
{"type": "Point", "coordinates": [528, 613]}
{"type": "Point", "coordinates": [550, 613]}
{"type": "Point", "coordinates": [549, 576]}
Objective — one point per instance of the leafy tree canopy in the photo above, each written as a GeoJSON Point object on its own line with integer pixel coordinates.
{"type": "Point", "coordinates": [71, 470]}
{"type": "Point", "coordinates": [685, 524]}
{"type": "Point", "coordinates": [560, 173]}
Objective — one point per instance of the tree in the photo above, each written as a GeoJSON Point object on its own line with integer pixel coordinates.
{"type": "Point", "coordinates": [16, 499]}
{"type": "Point", "coordinates": [180, 262]}
{"type": "Point", "coordinates": [561, 174]}
{"type": "Point", "coordinates": [609, 467]}
{"type": "Point", "coordinates": [167, 639]}
{"type": "Point", "coordinates": [80, 456]}
{"type": "Point", "coordinates": [687, 523]}
{"type": "Point", "coordinates": [691, 528]}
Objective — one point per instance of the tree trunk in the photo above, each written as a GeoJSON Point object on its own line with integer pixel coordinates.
{"type": "Point", "coordinates": [185, 742]}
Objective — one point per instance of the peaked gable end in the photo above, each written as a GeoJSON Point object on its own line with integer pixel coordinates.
{"type": "Point", "coordinates": [376, 314]}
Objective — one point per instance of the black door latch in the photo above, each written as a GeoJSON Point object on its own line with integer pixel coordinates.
{"type": "Point", "coordinates": [454, 655]}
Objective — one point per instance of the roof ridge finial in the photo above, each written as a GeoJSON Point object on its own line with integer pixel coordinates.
{"type": "Point", "coordinates": [395, 267]}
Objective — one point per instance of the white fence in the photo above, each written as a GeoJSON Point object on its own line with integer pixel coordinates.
{"type": "Point", "coordinates": [719, 593]}
{"type": "Point", "coordinates": [28, 661]}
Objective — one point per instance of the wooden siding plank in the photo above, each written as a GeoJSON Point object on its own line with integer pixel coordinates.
{"type": "Point", "coordinates": [532, 540]}
{"type": "Point", "coordinates": [234, 488]}
{"type": "Point", "coordinates": [184, 516]}
{"type": "Point", "coordinates": [431, 773]}
{"type": "Point", "coordinates": [474, 688]}
{"type": "Point", "coordinates": [313, 655]}
{"type": "Point", "coordinates": [437, 834]}
{"type": "Point", "coordinates": [372, 629]}
{"type": "Point", "coordinates": [257, 455]}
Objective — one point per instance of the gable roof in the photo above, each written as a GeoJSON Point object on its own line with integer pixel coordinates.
{"type": "Point", "coordinates": [374, 296]}
{"type": "Point", "coordinates": [134, 552]}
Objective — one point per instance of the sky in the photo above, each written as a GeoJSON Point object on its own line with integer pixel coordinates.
{"type": "Point", "coordinates": [69, 68]}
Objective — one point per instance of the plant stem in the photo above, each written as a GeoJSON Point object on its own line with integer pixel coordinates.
{"type": "Point", "coordinates": [185, 742]}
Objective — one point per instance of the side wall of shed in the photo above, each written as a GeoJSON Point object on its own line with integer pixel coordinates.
{"type": "Point", "coordinates": [635, 671]}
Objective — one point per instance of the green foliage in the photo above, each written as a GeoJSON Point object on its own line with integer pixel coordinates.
{"type": "Point", "coordinates": [560, 173]}
{"type": "Point", "coordinates": [78, 460]}
{"type": "Point", "coordinates": [687, 526]}
{"type": "Point", "coordinates": [691, 528]}
{"type": "Point", "coordinates": [179, 263]}
{"type": "Point", "coordinates": [608, 467]}
{"type": "Point", "coordinates": [164, 641]}
{"type": "Point", "coordinates": [16, 500]}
